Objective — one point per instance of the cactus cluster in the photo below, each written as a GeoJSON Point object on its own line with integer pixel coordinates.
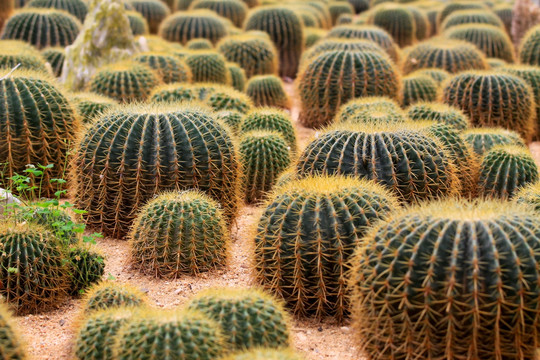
{"type": "Point", "coordinates": [268, 90]}
{"type": "Point", "coordinates": [256, 55]}
{"type": "Point", "coordinates": [483, 139]}
{"type": "Point", "coordinates": [154, 11]}
{"type": "Point", "coordinates": [271, 119]}
{"type": "Point", "coordinates": [184, 26]}
{"type": "Point", "coordinates": [440, 113]}
{"type": "Point", "coordinates": [234, 10]}
{"type": "Point", "coordinates": [529, 51]}
{"type": "Point", "coordinates": [55, 57]}
{"type": "Point", "coordinates": [77, 8]}
{"type": "Point", "coordinates": [169, 68]}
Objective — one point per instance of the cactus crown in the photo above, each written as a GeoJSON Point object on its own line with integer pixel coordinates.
{"type": "Point", "coordinates": [109, 295]}
{"type": "Point", "coordinates": [186, 25]}
{"type": "Point", "coordinates": [268, 90]}
{"type": "Point", "coordinates": [441, 113]}
{"type": "Point", "coordinates": [483, 139]}
{"type": "Point", "coordinates": [340, 44]}
{"type": "Point", "coordinates": [471, 17]}
{"type": "Point", "coordinates": [234, 10]}
{"type": "Point", "coordinates": [397, 20]}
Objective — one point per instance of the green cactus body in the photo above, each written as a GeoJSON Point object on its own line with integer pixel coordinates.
{"type": "Point", "coordinates": [399, 156]}
{"type": "Point", "coordinates": [33, 268]}
{"type": "Point", "coordinates": [173, 93]}
{"type": "Point", "coordinates": [12, 348]}
{"type": "Point", "coordinates": [397, 20]}
{"type": "Point", "coordinates": [225, 98]}
{"type": "Point", "coordinates": [504, 170]}
{"type": "Point", "coordinates": [471, 17]}
{"type": "Point", "coordinates": [256, 55]}
{"type": "Point", "coordinates": [264, 354]}
{"type": "Point", "coordinates": [421, 21]}
{"type": "Point", "coordinates": [371, 33]}
{"type": "Point", "coordinates": [42, 27]}
{"type": "Point", "coordinates": [37, 126]}
{"type": "Point", "coordinates": [55, 57]}
{"type": "Point", "coordinates": [417, 88]}
{"type": "Point", "coordinates": [426, 282]}
{"type": "Point", "coordinates": [184, 26]}
{"type": "Point", "coordinates": [438, 75]}
{"type": "Point", "coordinates": [365, 104]}
{"type": "Point", "coordinates": [453, 6]}
{"type": "Point", "coordinates": [482, 140]}
{"type": "Point", "coordinates": [87, 267]}
{"type": "Point", "coordinates": [495, 63]}
{"type": "Point", "coordinates": [312, 35]}
{"type": "Point", "coordinates": [286, 31]}
{"type": "Point", "coordinates": [14, 52]}
{"type": "Point", "coordinates": [168, 335]}
{"type": "Point", "coordinates": [375, 115]}
{"type": "Point", "coordinates": [338, 8]}
{"type": "Point", "coordinates": [493, 99]}
{"type": "Point", "coordinates": [307, 234]}
{"type": "Point", "coordinates": [77, 8]}
{"type": "Point", "coordinates": [179, 233]}
{"type": "Point", "coordinates": [491, 40]}
{"type": "Point", "coordinates": [168, 67]}
{"type": "Point", "coordinates": [199, 44]}
{"type": "Point", "coordinates": [137, 23]}
{"type": "Point", "coordinates": [345, 19]}
{"type": "Point", "coordinates": [271, 119]}
{"type": "Point", "coordinates": [131, 154]}
{"type": "Point", "coordinates": [90, 106]}
{"type": "Point", "coordinates": [109, 295]}
{"type": "Point", "coordinates": [321, 12]}
{"type": "Point", "coordinates": [268, 90]}
{"type": "Point", "coordinates": [333, 78]}
{"type": "Point", "coordinates": [340, 44]}
{"type": "Point", "coordinates": [439, 113]}
{"type": "Point", "coordinates": [529, 51]}
{"type": "Point", "coordinates": [249, 318]}
{"type": "Point", "coordinates": [232, 118]}
{"type": "Point", "coordinates": [307, 17]}
{"type": "Point", "coordinates": [208, 66]}
{"type": "Point", "coordinates": [154, 11]}
{"type": "Point", "coordinates": [529, 195]}
{"type": "Point", "coordinates": [183, 5]}
{"type": "Point", "coordinates": [359, 5]}
{"type": "Point", "coordinates": [264, 156]}
{"type": "Point", "coordinates": [505, 13]}
{"type": "Point", "coordinates": [97, 334]}
{"type": "Point", "coordinates": [451, 55]}
{"type": "Point", "coordinates": [234, 10]}
{"type": "Point", "coordinates": [312, 17]}
{"type": "Point", "coordinates": [238, 76]}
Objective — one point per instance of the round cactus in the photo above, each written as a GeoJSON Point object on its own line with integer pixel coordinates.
{"type": "Point", "coordinates": [495, 63]}
{"type": "Point", "coordinates": [365, 104]}
{"type": "Point", "coordinates": [491, 40]}
{"type": "Point", "coordinates": [10, 343]}
{"type": "Point", "coordinates": [173, 93]}
{"type": "Point", "coordinates": [125, 82]}
{"type": "Point", "coordinates": [493, 99]}
{"type": "Point", "coordinates": [504, 170]}
{"type": "Point", "coordinates": [345, 19]}
{"type": "Point", "coordinates": [232, 118]}
{"type": "Point", "coordinates": [397, 20]}
{"type": "Point", "coordinates": [418, 87]}
{"type": "Point", "coordinates": [77, 8]}
{"type": "Point", "coordinates": [359, 5]}
{"type": "Point", "coordinates": [308, 18]}
{"type": "Point", "coordinates": [109, 295]}
{"type": "Point", "coordinates": [310, 257]}
{"type": "Point", "coordinates": [256, 55]}
{"type": "Point", "coordinates": [264, 156]}
{"type": "Point", "coordinates": [454, 6]}
{"type": "Point", "coordinates": [225, 98]}
{"type": "Point", "coordinates": [97, 333]}
{"type": "Point", "coordinates": [168, 67]}
{"type": "Point", "coordinates": [37, 126]}
{"type": "Point", "coordinates": [312, 35]}
{"type": "Point", "coordinates": [55, 57]}
{"type": "Point", "coordinates": [271, 119]}
{"type": "Point", "coordinates": [237, 75]}
{"type": "Point", "coordinates": [199, 44]}
{"type": "Point", "coordinates": [375, 114]}
{"type": "Point", "coordinates": [439, 113]}
{"type": "Point", "coordinates": [33, 269]}
{"type": "Point", "coordinates": [234, 10]}
{"type": "Point", "coordinates": [333, 78]}
{"type": "Point", "coordinates": [421, 21]}
{"type": "Point", "coordinates": [412, 298]}
{"type": "Point", "coordinates": [452, 56]}
{"type": "Point", "coordinates": [505, 13]}
{"type": "Point", "coordinates": [286, 31]}
{"type": "Point", "coordinates": [371, 33]}
{"type": "Point", "coordinates": [13, 53]}
{"type": "Point", "coordinates": [249, 318]}
{"type": "Point", "coordinates": [268, 90]}
{"type": "Point", "coordinates": [179, 233]}
{"type": "Point", "coordinates": [340, 44]}
{"type": "Point", "coordinates": [529, 51]}
{"type": "Point", "coordinates": [128, 156]}
{"type": "Point", "coordinates": [462, 17]}
{"type": "Point", "coordinates": [438, 75]}
{"type": "Point", "coordinates": [184, 26]}
{"type": "Point", "coordinates": [338, 8]}
{"type": "Point", "coordinates": [87, 267]}
{"type": "Point", "coordinates": [412, 164]}
{"type": "Point", "coordinates": [154, 334]}
{"type": "Point", "coordinates": [137, 23]}
{"type": "Point", "coordinates": [154, 11]}
{"type": "Point", "coordinates": [529, 195]}
{"type": "Point", "coordinates": [42, 27]}
{"type": "Point", "coordinates": [482, 140]}
{"type": "Point", "coordinates": [208, 66]}
{"type": "Point", "coordinates": [90, 106]}
{"type": "Point", "coordinates": [264, 354]}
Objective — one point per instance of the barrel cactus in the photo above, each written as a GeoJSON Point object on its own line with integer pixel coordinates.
{"type": "Point", "coordinates": [334, 77]}
{"type": "Point", "coordinates": [491, 40]}
{"type": "Point", "coordinates": [286, 31]}
{"type": "Point", "coordinates": [225, 98]}
{"type": "Point", "coordinates": [199, 44]}
{"type": "Point", "coordinates": [90, 106]}
{"type": "Point", "coordinates": [137, 23]}
{"type": "Point", "coordinates": [421, 22]}
{"type": "Point", "coordinates": [454, 6]}
{"type": "Point", "coordinates": [77, 8]}
{"type": "Point", "coordinates": [504, 170]}
{"type": "Point", "coordinates": [173, 334]}
{"type": "Point", "coordinates": [340, 44]}
{"type": "Point", "coordinates": [482, 140]}
{"type": "Point", "coordinates": [462, 17]}
{"type": "Point", "coordinates": [256, 55]}
{"type": "Point", "coordinates": [232, 118]}
{"type": "Point", "coordinates": [268, 90]}
{"type": "Point", "coordinates": [413, 165]}
{"type": "Point", "coordinates": [375, 115]}
{"type": "Point", "coordinates": [438, 75]}
{"type": "Point", "coordinates": [33, 268]}
{"type": "Point", "coordinates": [493, 99]}
{"type": "Point", "coordinates": [43, 138]}
{"type": "Point", "coordinates": [179, 233]}
{"type": "Point", "coordinates": [264, 354]}
{"type": "Point", "coordinates": [87, 266]}
{"type": "Point", "coordinates": [174, 147]}
{"type": "Point", "coordinates": [271, 119]}
{"type": "Point", "coordinates": [418, 87]}
{"type": "Point", "coordinates": [55, 57]}
{"type": "Point", "coordinates": [312, 35]}
{"type": "Point", "coordinates": [42, 27]}
{"type": "Point", "coordinates": [176, 92]}
{"type": "Point", "coordinates": [169, 68]}
{"type": "Point", "coordinates": [109, 295]}
{"type": "Point", "coordinates": [234, 10]}
{"type": "Point", "coordinates": [367, 103]}
{"type": "Point", "coordinates": [413, 299]}
{"type": "Point", "coordinates": [13, 53]}
{"type": "Point", "coordinates": [249, 318]}
{"type": "Point", "coordinates": [359, 5]}
{"type": "Point", "coordinates": [529, 195]}
{"type": "Point", "coordinates": [10, 343]}
{"type": "Point", "coordinates": [125, 81]}
{"type": "Point", "coordinates": [237, 76]}
{"type": "Point", "coordinates": [529, 51]}
{"type": "Point", "coordinates": [439, 113]}
{"type": "Point", "coordinates": [184, 26]}
{"type": "Point", "coordinates": [208, 66]}
{"type": "Point", "coordinates": [310, 257]}
{"type": "Point", "coordinates": [338, 8]}
{"type": "Point", "coordinates": [451, 55]}
{"type": "Point", "coordinates": [154, 11]}
{"type": "Point", "coordinates": [397, 20]}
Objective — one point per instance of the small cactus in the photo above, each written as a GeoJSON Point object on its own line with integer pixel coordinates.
{"type": "Point", "coordinates": [338, 8]}
{"type": "Point", "coordinates": [10, 340]}
{"type": "Point", "coordinates": [109, 295]}
{"type": "Point", "coordinates": [439, 113]}
{"type": "Point", "coordinates": [87, 267]}
{"type": "Point", "coordinates": [137, 23]}
{"type": "Point", "coordinates": [312, 35]}
{"type": "Point", "coordinates": [77, 8]}
{"type": "Point", "coordinates": [237, 75]}
{"type": "Point", "coordinates": [232, 118]}
{"type": "Point", "coordinates": [348, 110]}
{"type": "Point", "coordinates": [184, 26]}
{"type": "Point", "coordinates": [397, 20]}
{"type": "Point", "coordinates": [495, 63]}
{"type": "Point", "coordinates": [529, 195]}
{"type": "Point", "coordinates": [154, 11]}
{"type": "Point", "coordinates": [482, 140]}
{"type": "Point", "coordinates": [268, 90]}
{"type": "Point", "coordinates": [462, 17]}
{"type": "Point", "coordinates": [271, 119]}
{"type": "Point", "coordinates": [417, 88]}
{"type": "Point", "coordinates": [249, 318]}
{"type": "Point", "coordinates": [454, 6]}
{"type": "Point", "coordinates": [374, 115]}
{"type": "Point", "coordinates": [13, 53]}
{"type": "Point", "coordinates": [55, 57]}
{"type": "Point", "coordinates": [168, 67]}
{"type": "Point", "coordinates": [173, 93]}
{"type": "Point", "coordinates": [529, 51]}
{"type": "Point", "coordinates": [199, 44]}
{"type": "Point", "coordinates": [438, 75]}
{"type": "Point", "coordinates": [208, 66]}
{"type": "Point", "coordinates": [90, 106]}
{"type": "Point", "coordinates": [234, 10]}
{"type": "Point", "coordinates": [225, 98]}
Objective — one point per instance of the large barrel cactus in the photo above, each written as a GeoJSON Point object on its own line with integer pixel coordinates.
{"type": "Point", "coordinates": [184, 26]}
{"type": "Point", "coordinates": [397, 20]}
{"type": "Point", "coordinates": [10, 341]}
{"type": "Point", "coordinates": [127, 157]}
{"type": "Point", "coordinates": [37, 126]}
{"type": "Point", "coordinates": [493, 99]}
{"type": "Point", "coordinates": [255, 54]}
{"type": "Point", "coordinates": [333, 78]}
{"type": "Point", "coordinates": [403, 158]}
{"type": "Point", "coordinates": [77, 8]}
{"type": "Point", "coordinates": [308, 233]}
{"type": "Point", "coordinates": [449, 280]}
{"type": "Point", "coordinates": [286, 31]}
{"type": "Point", "coordinates": [234, 10]}
{"type": "Point", "coordinates": [529, 51]}
{"type": "Point", "coordinates": [154, 11]}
